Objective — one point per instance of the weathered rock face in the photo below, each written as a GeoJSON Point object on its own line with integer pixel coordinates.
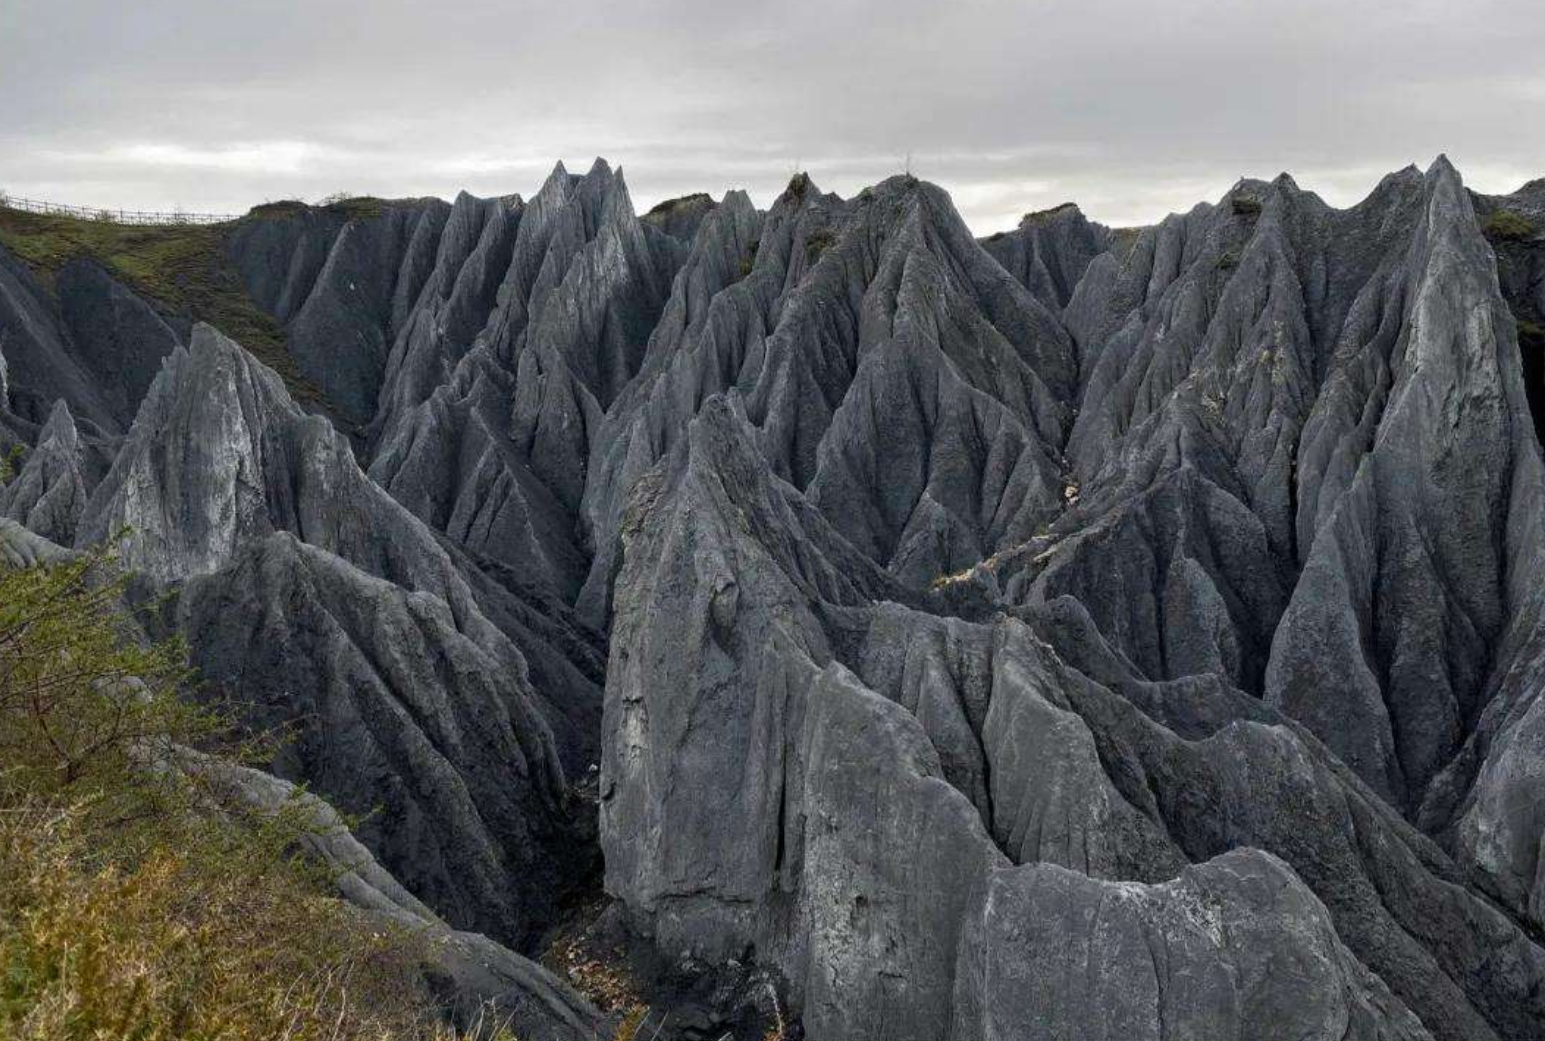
{"type": "Point", "coordinates": [120, 339]}
{"type": "Point", "coordinates": [455, 467]}
{"type": "Point", "coordinates": [49, 493]}
{"type": "Point", "coordinates": [1420, 548]}
{"type": "Point", "coordinates": [853, 314]}
{"type": "Point", "coordinates": [1050, 748]}
{"type": "Point", "coordinates": [476, 980]}
{"type": "Point", "coordinates": [420, 687]}
{"type": "Point", "coordinates": [1050, 252]}
{"type": "Point", "coordinates": [422, 723]}
{"type": "Point", "coordinates": [471, 978]}
{"type": "Point", "coordinates": [343, 288]}
{"type": "Point", "coordinates": [1233, 948]}
{"type": "Point", "coordinates": [1075, 633]}
{"type": "Point", "coordinates": [43, 363]}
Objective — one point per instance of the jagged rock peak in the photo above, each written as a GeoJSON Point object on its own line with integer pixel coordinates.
{"type": "Point", "coordinates": [1172, 592]}
{"type": "Point", "coordinates": [682, 216]}
{"type": "Point", "coordinates": [49, 493]}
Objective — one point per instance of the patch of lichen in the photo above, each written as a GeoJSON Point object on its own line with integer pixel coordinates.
{"type": "Point", "coordinates": [1531, 334]}
{"type": "Point", "coordinates": [181, 269]}
{"type": "Point", "coordinates": [1124, 239]}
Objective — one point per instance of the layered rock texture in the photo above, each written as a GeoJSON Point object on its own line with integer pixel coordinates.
{"type": "Point", "coordinates": [1076, 633]}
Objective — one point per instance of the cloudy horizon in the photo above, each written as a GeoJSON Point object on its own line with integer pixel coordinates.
{"type": "Point", "coordinates": [1132, 111]}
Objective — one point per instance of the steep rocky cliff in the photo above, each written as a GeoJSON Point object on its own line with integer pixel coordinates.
{"type": "Point", "coordinates": [1075, 633]}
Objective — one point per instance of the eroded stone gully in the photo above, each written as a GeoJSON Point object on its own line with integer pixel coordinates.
{"type": "Point", "coordinates": [1073, 633]}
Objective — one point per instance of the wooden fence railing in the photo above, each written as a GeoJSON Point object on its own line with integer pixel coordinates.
{"type": "Point", "coordinates": [112, 216]}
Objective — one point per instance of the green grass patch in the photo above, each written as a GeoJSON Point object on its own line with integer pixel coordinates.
{"type": "Point", "coordinates": [1037, 217]}
{"type": "Point", "coordinates": [1508, 226]}
{"type": "Point", "coordinates": [348, 207]}
{"type": "Point", "coordinates": [181, 269]}
{"type": "Point", "coordinates": [360, 207]}
{"type": "Point", "coordinates": [278, 208]}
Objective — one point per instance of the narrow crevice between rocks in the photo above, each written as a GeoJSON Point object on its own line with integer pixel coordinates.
{"type": "Point", "coordinates": [1531, 351]}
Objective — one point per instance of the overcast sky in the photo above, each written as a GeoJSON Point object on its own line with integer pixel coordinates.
{"type": "Point", "coordinates": [1132, 108]}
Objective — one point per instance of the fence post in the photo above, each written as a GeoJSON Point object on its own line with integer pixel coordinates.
{"type": "Point", "coordinates": [122, 216]}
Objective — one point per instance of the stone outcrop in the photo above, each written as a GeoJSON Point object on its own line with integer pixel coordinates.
{"type": "Point", "coordinates": [419, 686]}
{"type": "Point", "coordinates": [1028, 740]}
{"type": "Point", "coordinates": [478, 982]}
{"type": "Point", "coordinates": [1073, 633]}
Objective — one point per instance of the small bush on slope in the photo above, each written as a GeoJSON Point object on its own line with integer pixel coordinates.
{"type": "Point", "coordinates": [1507, 226]}
{"type": "Point", "coordinates": [134, 901]}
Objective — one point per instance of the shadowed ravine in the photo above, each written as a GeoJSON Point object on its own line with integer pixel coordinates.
{"type": "Point", "coordinates": [1076, 633]}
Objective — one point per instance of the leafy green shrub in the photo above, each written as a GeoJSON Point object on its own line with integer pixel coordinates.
{"type": "Point", "coordinates": [748, 262]}
{"type": "Point", "coordinates": [83, 705]}
{"type": "Point", "coordinates": [11, 459]}
{"type": "Point", "coordinates": [1246, 206]}
{"type": "Point", "coordinates": [818, 242]}
{"type": "Point", "coordinates": [1508, 226]}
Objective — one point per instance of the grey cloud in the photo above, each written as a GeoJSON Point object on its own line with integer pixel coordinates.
{"type": "Point", "coordinates": [1132, 109]}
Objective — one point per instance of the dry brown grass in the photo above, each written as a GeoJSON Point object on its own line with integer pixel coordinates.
{"type": "Point", "coordinates": [182, 947]}
{"type": "Point", "coordinates": [627, 1030]}
{"type": "Point", "coordinates": [134, 906]}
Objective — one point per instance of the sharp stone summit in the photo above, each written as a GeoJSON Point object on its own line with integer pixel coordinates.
{"type": "Point", "coordinates": [1076, 633]}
